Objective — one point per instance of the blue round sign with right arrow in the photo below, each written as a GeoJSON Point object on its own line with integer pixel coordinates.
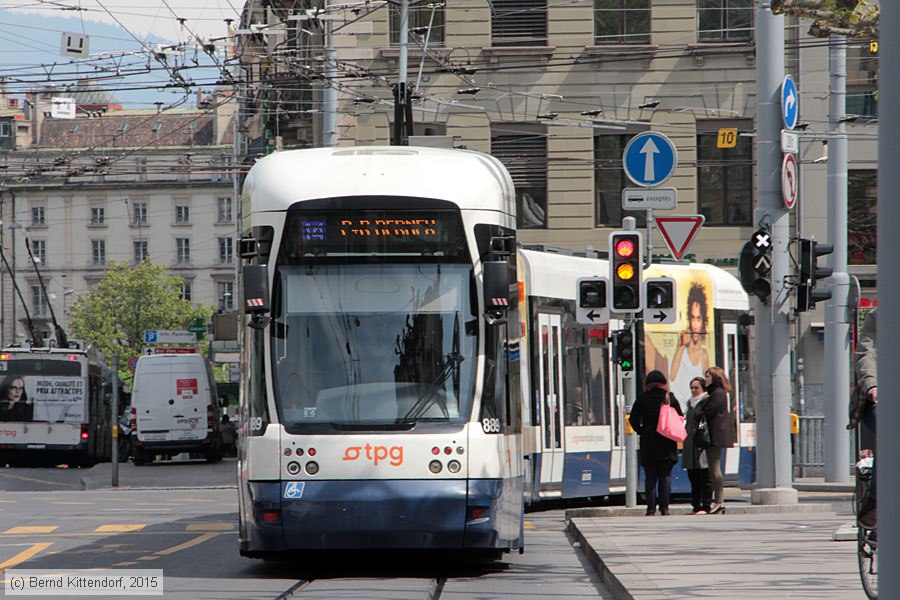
{"type": "Point", "coordinates": [790, 102]}
{"type": "Point", "coordinates": [649, 159]}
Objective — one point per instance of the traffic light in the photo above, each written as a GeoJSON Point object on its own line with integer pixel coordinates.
{"type": "Point", "coordinates": [810, 273]}
{"type": "Point", "coordinates": [592, 294]}
{"type": "Point", "coordinates": [755, 263]}
{"type": "Point", "coordinates": [626, 263]}
{"type": "Point", "coordinates": [623, 349]}
{"type": "Point", "coordinates": [660, 293]}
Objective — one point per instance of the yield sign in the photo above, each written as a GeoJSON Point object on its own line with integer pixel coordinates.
{"type": "Point", "coordinates": [678, 231]}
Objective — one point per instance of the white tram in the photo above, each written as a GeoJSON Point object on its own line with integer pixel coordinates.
{"type": "Point", "coordinates": [575, 420]}
{"type": "Point", "coordinates": [380, 384]}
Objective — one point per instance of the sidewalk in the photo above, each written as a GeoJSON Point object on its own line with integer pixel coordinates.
{"type": "Point", "coordinates": [750, 552]}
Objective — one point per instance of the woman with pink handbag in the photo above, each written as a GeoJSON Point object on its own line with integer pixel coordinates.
{"type": "Point", "coordinates": [658, 454]}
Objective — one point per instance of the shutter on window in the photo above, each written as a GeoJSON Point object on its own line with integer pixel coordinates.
{"type": "Point", "coordinates": [519, 23]}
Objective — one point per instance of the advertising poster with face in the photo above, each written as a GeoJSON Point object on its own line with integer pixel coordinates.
{"type": "Point", "coordinates": [686, 348]}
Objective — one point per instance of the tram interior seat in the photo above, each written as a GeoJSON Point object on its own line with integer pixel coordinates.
{"type": "Point", "coordinates": [388, 401]}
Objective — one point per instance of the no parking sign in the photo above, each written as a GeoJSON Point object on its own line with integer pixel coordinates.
{"type": "Point", "coordinates": [132, 363]}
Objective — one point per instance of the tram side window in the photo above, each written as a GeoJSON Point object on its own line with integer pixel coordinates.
{"type": "Point", "coordinates": [493, 393]}
{"type": "Point", "coordinates": [584, 375]}
{"type": "Point", "coordinates": [253, 402]}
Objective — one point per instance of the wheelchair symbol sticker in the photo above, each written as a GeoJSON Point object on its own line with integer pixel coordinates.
{"type": "Point", "coordinates": [294, 490]}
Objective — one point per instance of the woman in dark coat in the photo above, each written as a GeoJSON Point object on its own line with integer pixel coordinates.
{"type": "Point", "coordinates": [658, 454]}
{"type": "Point", "coordinates": [721, 431]}
{"type": "Point", "coordinates": [693, 457]}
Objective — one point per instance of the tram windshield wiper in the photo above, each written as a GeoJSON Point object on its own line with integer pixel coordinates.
{"type": "Point", "coordinates": [450, 366]}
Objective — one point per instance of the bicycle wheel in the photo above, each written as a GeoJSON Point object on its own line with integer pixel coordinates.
{"type": "Point", "coordinates": [867, 553]}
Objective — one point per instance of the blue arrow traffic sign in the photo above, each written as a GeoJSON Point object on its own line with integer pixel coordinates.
{"type": "Point", "coordinates": [790, 102]}
{"type": "Point", "coordinates": [649, 159]}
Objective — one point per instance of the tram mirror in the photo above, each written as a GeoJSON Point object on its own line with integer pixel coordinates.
{"type": "Point", "coordinates": [496, 286]}
{"type": "Point", "coordinates": [256, 289]}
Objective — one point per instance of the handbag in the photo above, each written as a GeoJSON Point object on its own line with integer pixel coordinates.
{"type": "Point", "coordinates": [670, 424]}
{"type": "Point", "coordinates": [701, 434]}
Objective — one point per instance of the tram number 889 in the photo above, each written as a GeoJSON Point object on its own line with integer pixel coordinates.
{"type": "Point", "coordinates": [491, 425]}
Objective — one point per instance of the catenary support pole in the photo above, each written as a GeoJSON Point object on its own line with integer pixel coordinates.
{"type": "Point", "coordinates": [888, 444]}
{"type": "Point", "coordinates": [837, 325]}
{"type": "Point", "coordinates": [114, 419]}
{"type": "Point", "coordinates": [773, 341]}
{"type": "Point", "coordinates": [329, 93]}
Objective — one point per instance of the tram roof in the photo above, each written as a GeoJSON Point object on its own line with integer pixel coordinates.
{"type": "Point", "coordinates": [471, 180]}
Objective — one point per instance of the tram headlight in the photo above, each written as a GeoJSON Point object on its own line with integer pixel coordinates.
{"type": "Point", "coordinates": [293, 468]}
{"type": "Point", "coordinates": [435, 466]}
{"type": "Point", "coordinates": [312, 467]}
{"type": "Point", "coordinates": [453, 466]}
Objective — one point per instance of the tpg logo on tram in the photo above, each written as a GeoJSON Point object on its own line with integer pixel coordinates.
{"type": "Point", "coordinates": [376, 454]}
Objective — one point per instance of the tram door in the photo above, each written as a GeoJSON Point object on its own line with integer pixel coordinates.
{"type": "Point", "coordinates": [552, 402]}
{"type": "Point", "coordinates": [731, 349]}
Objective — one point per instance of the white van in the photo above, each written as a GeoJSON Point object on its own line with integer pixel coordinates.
{"type": "Point", "coordinates": [175, 408]}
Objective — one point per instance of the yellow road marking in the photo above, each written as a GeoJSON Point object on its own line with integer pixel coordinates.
{"type": "Point", "coordinates": [148, 558]}
{"type": "Point", "coordinates": [33, 480]}
{"type": "Point", "coordinates": [126, 564]}
{"type": "Point", "coordinates": [32, 529]}
{"type": "Point", "coordinates": [188, 544]}
{"type": "Point", "coordinates": [118, 528]}
{"type": "Point", "coordinates": [25, 555]}
{"type": "Point", "coordinates": [529, 525]}
{"type": "Point", "coordinates": [62, 502]}
{"type": "Point", "coordinates": [209, 527]}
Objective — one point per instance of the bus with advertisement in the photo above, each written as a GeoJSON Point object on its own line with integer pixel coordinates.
{"type": "Point", "coordinates": [55, 405]}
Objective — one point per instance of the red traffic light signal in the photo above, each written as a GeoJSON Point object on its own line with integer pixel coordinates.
{"type": "Point", "coordinates": [626, 258]}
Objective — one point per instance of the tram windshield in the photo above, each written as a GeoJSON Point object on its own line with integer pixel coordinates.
{"type": "Point", "coordinates": [372, 344]}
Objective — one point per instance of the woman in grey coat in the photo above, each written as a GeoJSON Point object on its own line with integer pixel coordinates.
{"type": "Point", "coordinates": [693, 458]}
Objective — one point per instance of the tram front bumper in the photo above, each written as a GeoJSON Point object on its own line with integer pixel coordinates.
{"type": "Point", "coordinates": [391, 514]}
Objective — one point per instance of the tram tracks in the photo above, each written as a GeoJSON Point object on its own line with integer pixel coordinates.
{"type": "Point", "coordinates": [435, 589]}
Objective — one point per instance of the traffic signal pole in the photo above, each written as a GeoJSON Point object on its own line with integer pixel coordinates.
{"type": "Point", "coordinates": [888, 444]}
{"type": "Point", "coordinates": [773, 342]}
{"type": "Point", "coordinates": [837, 324]}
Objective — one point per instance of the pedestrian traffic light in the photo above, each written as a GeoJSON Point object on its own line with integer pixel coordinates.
{"type": "Point", "coordinates": [755, 264]}
{"type": "Point", "coordinates": [623, 349]}
{"type": "Point", "coordinates": [810, 273]}
{"type": "Point", "coordinates": [626, 264]}
{"type": "Point", "coordinates": [592, 293]}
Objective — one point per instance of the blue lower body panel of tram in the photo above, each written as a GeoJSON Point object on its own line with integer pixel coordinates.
{"type": "Point", "coordinates": [391, 514]}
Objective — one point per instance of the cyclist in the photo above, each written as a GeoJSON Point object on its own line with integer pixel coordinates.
{"type": "Point", "coordinates": [863, 408]}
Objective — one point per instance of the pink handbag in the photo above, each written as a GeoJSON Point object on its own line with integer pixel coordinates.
{"type": "Point", "coordinates": [670, 424]}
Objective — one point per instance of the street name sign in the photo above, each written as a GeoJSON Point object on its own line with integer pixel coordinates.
{"type": "Point", "coordinates": [649, 159]}
{"type": "Point", "coordinates": [790, 179]}
{"type": "Point", "coordinates": [790, 102]}
{"type": "Point", "coordinates": [678, 231]}
{"type": "Point", "coordinates": [649, 198]}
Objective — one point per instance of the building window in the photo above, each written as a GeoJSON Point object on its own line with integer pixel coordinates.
{"type": "Point", "coordinates": [523, 150]}
{"type": "Point", "coordinates": [519, 23]}
{"type": "Point", "coordinates": [226, 295]}
{"type": "Point", "coordinates": [187, 292]}
{"type": "Point", "coordinates": [37, 216]}
{"type": "Point", "coordinates": [5, 130]}
{"type": "Point", "coordinates": [226, 250]}
{"type": "Point", "coordinates": [724, 178]}
{"type": "Point", "coordinates": [38, 301]}
{"type": "Point", "coordinates": [39, 251]}
{"type": "Point", "coordinates": [224, 213]}
{"type": "Point", "coordinates": [98, 252]}
{"type": "Point", "coordinates": [622, 21]}
{"type": "Point", "coordinates": [182, 214]}
{"type": "Point", "coordinates": [183, 251]}
{"type": "Point", "coordinates": [141, 251]}
{"type": "Point", "coordinates": [98, 215]}
{"type": "Point", "coordinates": [610, 180]}
{"type": "Point", "coordinates": [725, 20]}
{"type": "Point", "coordinates": [420, 17]}
{"type": "Point", "coordinates": [139, 216]}
{"type": "Point", "coordinates": [862, 233]}
{"type": "Point", "coordinates": [862, 81]}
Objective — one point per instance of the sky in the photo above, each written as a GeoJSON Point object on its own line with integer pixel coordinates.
{"type": "Point", "coordinates": [119, 32]}
{"type": "Point", "coordinates": [205, 18]}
